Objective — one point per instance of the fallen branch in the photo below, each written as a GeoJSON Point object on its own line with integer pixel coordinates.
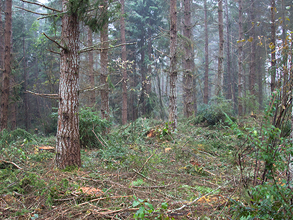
{"type": "Point", "coordinates": [103, 198]}
{"type": "Point", "coordinates": [144, 165]}
{"type": "Point", "coordinates": [153, 187]}
{"type": "Point", "coordinates": [9, 162]}
{"type": "Point", "coordinates": [198, 198]}
{"type": "Point", "coordinates": [143, 176]}
{"type": "Point", "coordinates": [98, 139]}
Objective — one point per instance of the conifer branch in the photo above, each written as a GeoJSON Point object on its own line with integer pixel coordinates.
{"type": "Point", "coordinates": [51, 96]}
{"type": "Point", "coordinates": [87, 49]}
{"type": "Point", "coordinates": [44, 6]}
{"type": "Point", "coordinates": [37, 13]}
{"type": "Point", "coordinates": [54, 42]}
{"type": "Point", "coordinates": [52, 51]}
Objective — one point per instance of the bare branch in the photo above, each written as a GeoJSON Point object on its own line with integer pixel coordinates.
{"type": "Point", "coordinates": [50, 96]}
{"type": "Point", "coordinates": [52, 51]}
{"type": "Point", "coordinates": [87, 49]}
{"type": "Point", "coordinates": [54, 42]}
{"type": "Point", "coordinates": [37, 13]}
{"type": "Point", "coordinates": [161, 52]}
{"type": "Point", "coordinates": [44, 6]}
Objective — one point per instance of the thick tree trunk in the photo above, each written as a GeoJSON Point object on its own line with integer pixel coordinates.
{"type": "Point", "coordinates": [105, 110]}
{"type": "Point", "coordinates": [124, 70]}
{"type": "Point", "coordinates": [221, 49]}
{"type": "Point", "coordinates": [273, 46]}
{"type": "Point", "coordinates": [7, 65]}
{"type": "Point", "coordinates": [92, 95]}
{"type": "Point", "coordinates": [240, 60]}
{"type": "Point", "coordinates": [68, 139]}
{"type": "Point", "coordinates": [206, 72]}
{"type": "Point", "coordinates": [188, 67]}
{"type": "Point", "coordinates": [1, 43]}
{"type": "Point", "coordinates": [173, 65]}
{"type": "Point", "coordinates": [252, 74]}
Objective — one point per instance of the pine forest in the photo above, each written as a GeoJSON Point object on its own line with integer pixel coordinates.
{"type": "Point", "coordinates": [146, 109]}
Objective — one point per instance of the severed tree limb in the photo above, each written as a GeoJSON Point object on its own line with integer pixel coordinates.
{"type": "Point", "coordinates": [54, 41]}
{"type": "Point", "coordinates": [50, 15]}
{"type": "Point", "coordinates": [143, 165]}
{"type": "Point", "coordinates": [37, 13]}
{"type": "Point", "coordinates": [87, 49]}
{"type": "Point", "coordinates": [44, 6]}
{"type": "Point", "coordinates": [50, 96]}
{"type": "Point", "coordinates": [9, 162]}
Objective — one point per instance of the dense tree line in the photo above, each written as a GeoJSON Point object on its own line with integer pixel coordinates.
{"type": "Point", "coordinates": [138, 58]}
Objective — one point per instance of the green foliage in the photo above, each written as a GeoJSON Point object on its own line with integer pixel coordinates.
{"type": "Point", "coordinates": [214, 112]}
{"type": "Point", "coordinates": [271, 196]}
{"type": "Point", "coordinates": [103, 12]}
{"type": "Point", "coordinates": [9, 137]}
{"type": "Point", "coordinates": [146, 210]}
{"type": "Point", "coordinates": [89, 121]}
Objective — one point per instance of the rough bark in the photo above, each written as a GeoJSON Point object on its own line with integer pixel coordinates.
{"type": "Point", "coordinates": [240, 60]}
{"type": "Point", "coordinates": [68, 139]}
{"type": "Point", "coordinates": [206, 73]}
{"type": "Point", "coordinates": [92, 95]}
{"type": "Point", "coordinates": [173, 65]}
{"type": "Point", "coordinates": [221, 49]}
{"type": "Point", "coordinates": [273, 46]}
{"type": "Point", "coordinates": [7, 65]}
{"type": "Point", "coordinates": [188, 67]}
{"type": "Point", "coordinates": [124, 70]}
{"type": "Point", "coordinates": [104, 73]}
{"type": "Point", "coordinates": [252, 73]}
{"type": "Point", "coordinates": [1, 43]}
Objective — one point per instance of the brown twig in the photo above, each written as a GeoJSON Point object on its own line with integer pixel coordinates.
{"type": "Point", "coordinates": [44, 6]}
{"type": "Point", "coordinates": [51, 96]}
{"type": "Point", "coordinates": [9, 162]}
{"type": "Point", "coordinates": [37, 13]}
{"type": "Point", "coordinates": [98, 139]}
{"type": "Point", "coordinates": [144, 165]}
{"type": "Point", "coordinates": [59, 45]}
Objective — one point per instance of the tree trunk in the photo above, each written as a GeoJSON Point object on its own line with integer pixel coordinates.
{"type": "Point", "coordinates": [104, 74]}
{"type": "Point", "coordinates": [1, 43]}
{"type": "Point", "coordinates": [229, 76]}
{"type": "Point", "coordinates": [273, 46]}
{"type": "Point", "coordinates": [124, 70]}
{"type": "Point", "coordinates": [252, 75]}
{"type": "Point", "coordinates": [240, 60]}
{"type": "Point", "coordinates": [188, 67]}
{"type": "Point", "coordinates": [68, 139]}
{"type": "Point", "coordinates": [221, 49]}
{"type": "Point", "coordinates": [206, 74]}
{"type": "Point", "coordinates": [7, 65]}
{"type": "Point", "coordinates": [173, 67]}
{"type": "Point", "coordinates": [92, 95]}
{"type": "Point", "coordinates": [26, 98]}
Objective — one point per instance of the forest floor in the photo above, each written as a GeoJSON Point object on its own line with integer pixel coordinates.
{"type": "Point", "coordinates": [151, 173]}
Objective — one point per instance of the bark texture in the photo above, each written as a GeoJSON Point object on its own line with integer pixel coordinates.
{"type": "Point", "coordinates": [92, 95]}
{"type": "Point", "coordinates": [240, 59]}
{"type": "Point", "coordinates": [124, 70]}
{"type": "Point", "coordinates": [1, 43]}
{"type": "Point", "coordinates": [221, 49]}
{"type": "Point", "coordinates": [229, 75]}
{"type": "Point", "coordinates": [173, 65]}
{"type": "Point", "coordinates": [206, 72]}
{"type": "Point", "coordinates": [68, 139]}
{"type": "Point", "coordinates": [7, 65]}
{"type": "Point", "coordinates": [188, 67]}
{"type": "Point", "coordinates": [104, 73]}
{"type": "Point", "coordinates": [252, 73]}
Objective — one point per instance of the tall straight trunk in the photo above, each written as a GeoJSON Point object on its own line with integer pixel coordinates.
{"type": "Point", "coordinates": [143, 79]}
{"type": "Point", "coordinates": [7, 65]}
{"type": "Point", "coordinates": [240, 60]}
{"type": "Point", "coordinates": [68, 138]}
{"type": "Point", "coordinates": [124, 70]}
{"type": "Point", "coordinates": [286, 86]}
{"type": "Point", "coordinates": [188, 67]}
{"type": "Point", "coordinates": [104, 73]}
{"type": "Point", "coordinates": [1, 43]}
{"type": "Point", "coordinates": [221, 49]}
{"type": "Point", "coordinates": [92, 95]}
{"type": "Point", "coordinates": [206, 72]}
{"type": "Point", "coordinates": [229, 76]}
{"type": "Point", "coordinates": [26, 98]}
{"type": "Point", "coordinates": [252, 74]}
{"type": "Point", "coordinates": [173, 64]}
{"type": "Point", "coordinates": [260, 84]}
{"type": "Point", "coordinates": [273, 46]}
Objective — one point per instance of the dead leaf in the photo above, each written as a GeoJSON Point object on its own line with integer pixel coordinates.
{"type": "Point", "coordinates": [168, 149]}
